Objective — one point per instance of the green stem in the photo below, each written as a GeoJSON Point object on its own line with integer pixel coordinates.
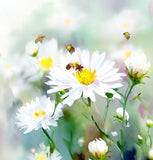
{"type": "Point", "coordinates": [106, 135]}
{"type": "Point", "coordinates": [150, 138]}
{"type": "Point", "coordinates": [125, 101]}
{"type": "Point", "coordinates": [49, 138]}
{"type": "Point", "coordinates": [89, 101]}
{"type": "Point", "coordinates": [124, 107]}
{"type": "Point", "coordinates": [122, 144]}
{"type": "Point", "coordinates": [105, 112]}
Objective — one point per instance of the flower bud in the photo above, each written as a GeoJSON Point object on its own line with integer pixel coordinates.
{"type": "Point", "coordinates": [119, 112]}
{"type": "Point", "coordinates": [149, 123]}
{"type": "Point", "coordinates": [81, 141]}
{"type": "Point", "coordinates": [32, 49]}
{"type": "Point", "coordinates": [98, 148]}
{"type": "Point", "coordinates": [150, 154]}
{"type": "Point", "coordinates": [140, 138]}
{"type": "Point", "coordinates": [137, 66]}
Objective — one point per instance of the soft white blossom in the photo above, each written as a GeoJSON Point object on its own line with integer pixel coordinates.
{"type": "Point", "coordinates": [137, 66]}
{"type": "Point", "coordinates": [98, 148]}
{"type": "Point", "coordinates": [38, 114]}
{"type": "Point", "coordinates": [95, 76]}
{"type": "Point", "coordinates": [119, 112]}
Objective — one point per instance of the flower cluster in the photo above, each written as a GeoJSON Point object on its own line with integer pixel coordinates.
{"type": "Point", "coordinates": [81, 76]}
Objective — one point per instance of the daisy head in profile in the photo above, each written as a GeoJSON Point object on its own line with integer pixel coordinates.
{"type": "Point", "coordinates": [137, 67]}
{"type": "Point", "coordinates": [98, 148]}
{"type": "Point", "coordinates": [81, 76]}
{"type": "Point", "coordinates": [40, 113]}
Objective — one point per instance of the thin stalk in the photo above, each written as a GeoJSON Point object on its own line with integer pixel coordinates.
{"type": "Point", "coordinates": [105, 112]}
{"type": "Point", "coordinates": [124, 107]}
{"type": "Point", "coordinates": [125, 101]}
{"type": "Point", "coordinates": [89, 101]}
{"type": "Point", "coordinates": [122, 144]}
{"type": "Point", "coordinates": [150, 138]}
{"type": "Point", "coordinates": [49, 138]}
{"type": "Point", "coordinates": [106, 135]}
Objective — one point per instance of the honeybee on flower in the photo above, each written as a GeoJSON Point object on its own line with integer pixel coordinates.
{"type": "Point", "coordinates": [70, 48]}
{"type": "Point", "coordinates": [75, 66]}
{"type": "Point", "coordinates": [97, 76]}
{"type": "Point", "coordinates": [127, 20]}
{"type": "Point", "coordinates": [40, 38]}
{"type": "Point", "coordinates": [127, 35]}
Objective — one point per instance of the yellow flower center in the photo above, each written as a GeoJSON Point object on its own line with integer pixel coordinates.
{"type": "Point", "coordinates": [39, 113]}
{"type": "Point", "coordinates": [67, 21]}
{"type": "Point", "coordinates": [86, 77]}
{"type": "Point", "coordinates": [126, 25]}
{"type": "Point", "coordinates": [40, 157]}
{"type": "Point", "coordinates": [46, 63]}
{"type": "Point", "coordinates": [127, 54]}
{"type": "Point", "coordinates": [8, 66]}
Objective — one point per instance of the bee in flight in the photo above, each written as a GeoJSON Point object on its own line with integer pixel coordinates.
{"type": "Point", "coordinates": [40, 38]}
{"type": "Point", "coordinates": [70, 48]}
{"type": "Point", "coordinates": [75, 66]}
{"type": "Point", "coordinates": [127, 35]}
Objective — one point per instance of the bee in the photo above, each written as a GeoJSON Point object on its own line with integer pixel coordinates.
{"type": "Point", "coordinates": [69, 66]}
{"type": "Point", "coordinates": [75, 66]}
{"type": "Point", "coordinates": [40, 38]}
{"type": "Point", "coordinates": [70, 48]}
{"type": "Point", "coordinates": [127, 35]}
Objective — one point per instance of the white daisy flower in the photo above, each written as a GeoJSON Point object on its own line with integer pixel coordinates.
{"type": "Point", "coordinates": [137, 66]}
{"type": "Point", "coordinates": [123, 52]}
{"type": "Point", "coordinates": [68, 19]}
{"type": "Point", "coordinates": [88, 77]}
{"type": "Point", "coordinates": [127, 20]}
{"type": "Point", "coordinates": [48, 54]}
{"type": "Point", "coordinates": [43, 156]}
{"type": "Point", "coordinates": [119, 112]}
{"type": "Point", "coordinates": [38, 114]}
{"type": "Point", "coordinates": [98, 148]}
{"type": "Point", "coordinates": [9, 66]}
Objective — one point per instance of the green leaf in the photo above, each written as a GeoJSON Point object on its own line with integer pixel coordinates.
{"type": "Point", "coordinates": [34, 54]}
{"type": "Point", "coordinates": [119, 145]}
{"type": "Point", "coordinates": [109, 95]}
{"type": "Point", "coordinates": [62, 92]}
